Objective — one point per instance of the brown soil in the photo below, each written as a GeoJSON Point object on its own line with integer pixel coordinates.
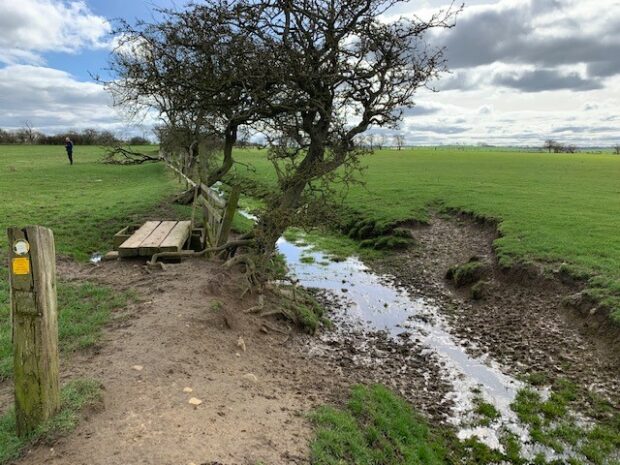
{"type": "Point", "coordinates": [254, 402]}
{"type": "Point", "coordinates": [521, 319]}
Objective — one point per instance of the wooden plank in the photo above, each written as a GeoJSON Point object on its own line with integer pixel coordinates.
{"type": "Point", "coordinates": [35, 327]}
{"type": "Point", "coordinates": [177, 237]}
{"type": "Point", "coordinates": [129, 248]}
{"type": "Point", "coordinates": [212, 211]}
{"type": "Point", "coordinates": [151, 244]}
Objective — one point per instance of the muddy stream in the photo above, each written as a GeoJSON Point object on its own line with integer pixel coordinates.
{"type": "Point", "coordinates": [372, 303]}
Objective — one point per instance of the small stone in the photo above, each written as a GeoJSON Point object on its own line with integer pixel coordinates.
{"type": "Point", "coordinates": [138, 367]}
{"type": "Point", "coordinates": [251, 377]}
{"type": "Point", "coordinates": [238, 354]}
{"type": "Point", "coordinates": [188, 389]}
{"type": "Point", "coordinates": [241, 343]}
{"type": "Point", "coordinates": [195, 401]}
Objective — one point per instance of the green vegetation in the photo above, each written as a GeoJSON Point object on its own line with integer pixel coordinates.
{"type": "Point", "coordinates": [75, 397]}
{"type": "Point", "coordinates": [552, 424]}
{"type": "Point", "coordinates": [467, 273]}
{"type": "Point", "coordinates": [336, 246]}
{"type": "Point", "coordinates": [376, 427]}
{"type": "Point", "coordinates": [486, 411]}
{"type": "Point", "coordinates": [84, 204]}
{"type": "Point", "coordinates": [216, 306]}
{"type": "Point", "coordinates": [551, 208]}
{"type": "Point", "coordinates": [83, 310]}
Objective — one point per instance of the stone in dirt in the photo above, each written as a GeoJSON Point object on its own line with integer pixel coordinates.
{"type": "Point", "coordinates": [195, 401]}
{"type": "Point", "coordinates": [188, 389]}
{"type": "Point", "coordinates": [137, 367]}
{"type": "Point", "coordinates": [251, 377]}
{"type": "Point", "coordinates": [113, 255]}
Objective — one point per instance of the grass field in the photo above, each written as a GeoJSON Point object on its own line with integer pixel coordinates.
{"type": "Point", "coordinates": [84, 204]}
{"type": "Point", "coordinates": [551, 208]}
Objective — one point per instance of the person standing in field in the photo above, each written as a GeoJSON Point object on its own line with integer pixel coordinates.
{"type": "Point", "coordinates": [69, 148]}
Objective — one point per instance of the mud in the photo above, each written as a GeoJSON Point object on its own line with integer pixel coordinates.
{"type": "Point", "coordinates": [521, 320]}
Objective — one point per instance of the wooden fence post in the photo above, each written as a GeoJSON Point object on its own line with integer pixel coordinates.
{"type": "Point", "coordinates": [32, 266]}
{"type": "Point", "coordinates": [229, 214]}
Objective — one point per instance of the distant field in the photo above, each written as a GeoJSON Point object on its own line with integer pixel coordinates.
{"type": "Point", "coordinates": [85, 204]}
{"type": "Point", "coordinates": [552, 207]}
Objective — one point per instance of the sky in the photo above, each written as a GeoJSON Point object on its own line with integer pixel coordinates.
{"type": "Point", "coordinates": [521, 71]}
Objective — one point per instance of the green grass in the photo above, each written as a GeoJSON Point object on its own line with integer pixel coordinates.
{"type": "Point", "coordinates": [375, 428]}
{"type": "Point", "coordinates": [75, 397]}
{"type": "Point", "coordinates": [83, 310]}
{"type": "Point", "coordinates": [553, 424]}
{"type": "Point", "coordinates": [84, 204]}
{"type": "Point", "coordinates": [551, 208]}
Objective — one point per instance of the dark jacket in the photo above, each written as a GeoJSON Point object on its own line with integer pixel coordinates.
{"type": "Point", "coordinates": [69, 146]}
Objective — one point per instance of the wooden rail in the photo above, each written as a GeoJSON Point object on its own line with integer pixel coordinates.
{"type": "Point", "coordinates": [218, 212]}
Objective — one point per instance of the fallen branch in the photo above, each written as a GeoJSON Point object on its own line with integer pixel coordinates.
{"type": "Point", "coordinates": [118, 155]}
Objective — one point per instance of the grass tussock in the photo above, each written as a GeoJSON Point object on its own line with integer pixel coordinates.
{"type": "Point", "coordinates": [375, 427]}
{"type": "Point", "coordinates": [76, 396]}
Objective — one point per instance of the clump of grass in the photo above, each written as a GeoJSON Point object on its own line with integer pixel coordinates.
{"type": "Point", "coordinates": [308, 259]}
{"type": "Point", "coordinates": [486, 411]}
{"type": "Point", "coordinates": [466, 273]}
{"type": "Point", "coordinates": [375, 427]}
{"type": "Point", "coordinates": [216, 306]}
{"type": "Point", "coordinates": [75, 397]}
{"type": "Point", "coordinates": [479, 290]}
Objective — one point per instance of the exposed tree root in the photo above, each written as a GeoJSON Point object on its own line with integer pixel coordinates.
{"type": "Point", "coordinates": [259, 307]}
{"type": "Point", "coordinates": [190, 253]}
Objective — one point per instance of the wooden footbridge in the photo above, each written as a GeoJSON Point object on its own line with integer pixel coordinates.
{"type": "Point", "coordinates": [156, 237]}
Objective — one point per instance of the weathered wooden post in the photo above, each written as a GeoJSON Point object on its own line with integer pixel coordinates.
{"type": "Point", "coordinates": [32, 265]}
{"type": "Point", "coordinates": [229, 214]}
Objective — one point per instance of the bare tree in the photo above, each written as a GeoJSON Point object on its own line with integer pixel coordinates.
{"type": "Point", "coordinates": [617, 149]}
{"type": "Point", "coordinates": [380, 141]}
{"type": "Point", "coordinates": [551, 145]}
{"type": "Point", "coordinates": [370, 140]}
{"type": "Point", "coordinates": [312, 75]}
{"type": "Point", "coordinates": [570, 148]}
{"type": "Point", "coordinates": [198, 73]}
{"type": "Point", "coordinates": [28, 133]}
{"type": "Point", "coordinates": [399, 141]}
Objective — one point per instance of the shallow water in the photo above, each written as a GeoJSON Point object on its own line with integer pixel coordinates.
{"type": "Point", "coordinates": [375, 303]}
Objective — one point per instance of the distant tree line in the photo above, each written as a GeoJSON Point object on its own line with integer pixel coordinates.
{"type": "Point", "coordinates": [557, 147]}
{"type": "Point", "coordinates": [28, 135]}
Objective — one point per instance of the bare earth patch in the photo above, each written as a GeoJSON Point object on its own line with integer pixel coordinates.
{"type": "Point", "coordinates": [521, 320]}
{"type": "Point", "coordinates": [179, 388]}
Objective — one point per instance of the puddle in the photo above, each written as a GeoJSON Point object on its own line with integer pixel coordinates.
{"type": "Point", "coordinates": [373, 302]}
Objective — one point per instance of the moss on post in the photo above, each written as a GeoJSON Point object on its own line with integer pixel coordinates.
{"type": "Point", "coordinates": [35, 326]}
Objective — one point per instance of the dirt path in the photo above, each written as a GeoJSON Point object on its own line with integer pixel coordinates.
{"type": "Point", "coordinates": [521, 320]}
{"type": "Point", "coordinates": [254, 402]}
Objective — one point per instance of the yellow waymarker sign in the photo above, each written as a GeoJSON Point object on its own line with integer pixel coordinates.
{"type": "Point", "coordinates": [21, 265]}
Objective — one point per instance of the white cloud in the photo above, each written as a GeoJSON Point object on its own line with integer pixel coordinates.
{"type": "Point", "coordinates": [52, 100]}
{"type": "Point", "coordinates": [29, 28]}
